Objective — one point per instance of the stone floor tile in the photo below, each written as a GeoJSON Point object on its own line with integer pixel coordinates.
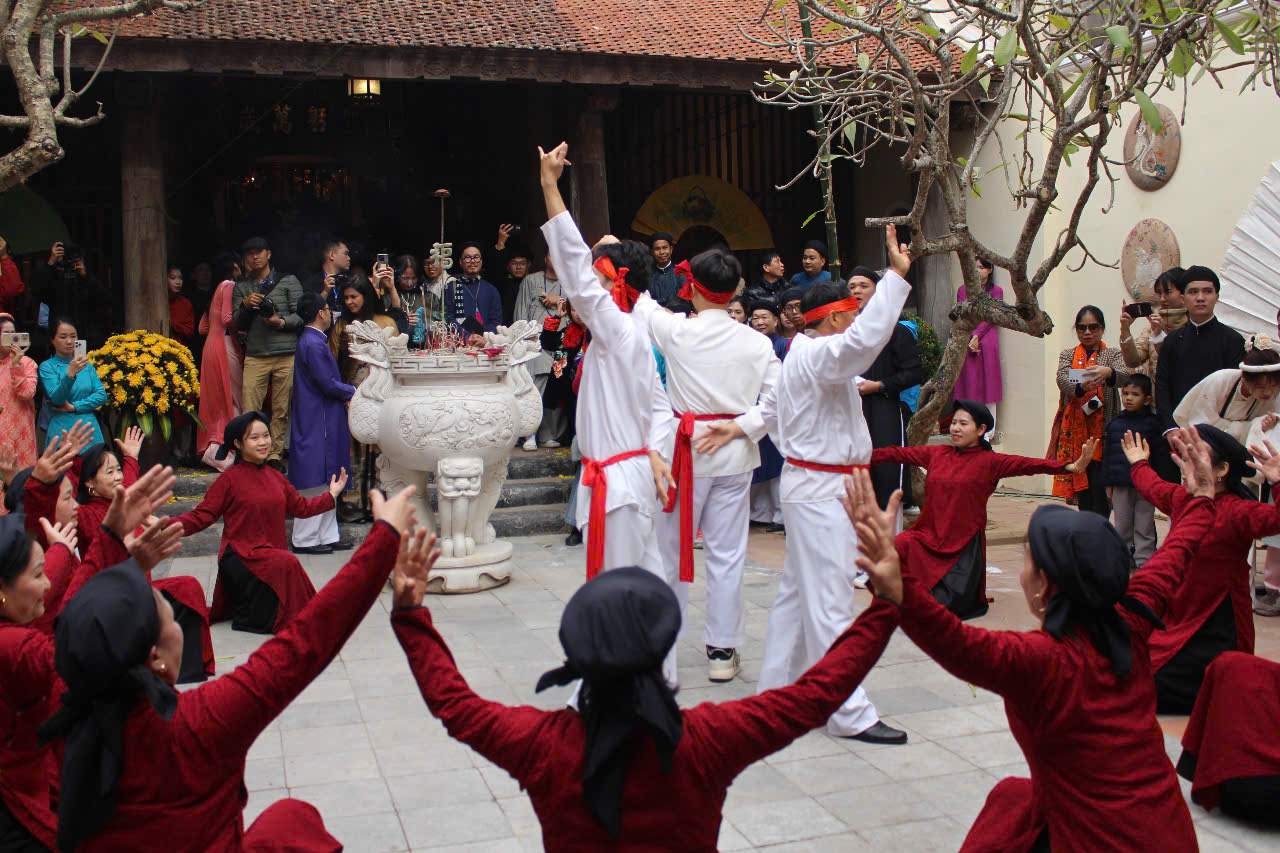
{"type": "Point", "coordinates": [260, 800]}
{"type": "Point", "coordinates": [760, 783]}
{"type": "Point", "coordinates": [817, 776]}
{"type": "Point", "coordinates": [878, 805]}
{"type": "Point", "coordinates": [520, 815]}
{"type": "Point", "coordinates": [327, 690]}
{"type": "Point", "coordinates": [895, 701]}
{"type": "Point", "coordinates": [956, 795]}
{"type": "Point", "coordinates": [924, 836]}
{"type": "Point", "coordinates": [384, 708]}
{"type": "Point", "coordinates": [316, 768]}
{"type": "Point", "coordinates": [991, 749]}
{"type": "Point", "coordinates": [776, 821]}
{"type": "Point", "coordinates": [345, 799]}
{"type": "Point", "coordinates": [844, 842]}
{"type": "Point", "coordinates": [426, 757]}
{"type": "Point", "coordinates": [815, 744]}
{"type": "Point", "coordinates": [503, 845]}
{"type": "Point", "coordinates": [369, 833]}
{"type": "Point", "coordinates": [730, 839]}
{"type": "Point", "coordinates": [325, 739]}
{"type": "Point", "coordinates": [461, 823]}
{"type": "Point", "coordinates": [267, 745]}
{"type": "Point", "coordinates": [424, 790]}
{"type": "Point", "coordinates": [915, 761]}
{"type": "Point", "coordinates": [316, 714]}
{"type": "Point", "coordinates": [942, 723]}
{"type": "Point", "coordinates": [262, 774]}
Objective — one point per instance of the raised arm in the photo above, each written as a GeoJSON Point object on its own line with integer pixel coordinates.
{"type": "Point", "coordinates": [839, 358]}
{"type": "Point", "coordinates": [746, 730]}
{"type": "Point", "coordinates": [210, 509]}
{"type": "Point", "coordinates": [1159, 492]}
{"type": "Point", "coordinates": [594, 304]}
{"type": "Point", "coordinates": [24, 379]}
{"type": "Point", "coordinates": [509, 737]}
{"type": "Point", "coordinates": [1159, 578]}
{"type": "Point", "coordinates": [921, 455]}
{"type": "Point", "coordinates": [220, 719]}
{"type": "Point", "coordinates": [299, 507]}
{"type": "Point", "coordinates": [1008, 465]}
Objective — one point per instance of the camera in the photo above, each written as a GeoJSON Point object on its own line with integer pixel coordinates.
{"type": "Point", "coordinates": [1092, 405]}
{"type": "Point", "coordinates": [266, 308]}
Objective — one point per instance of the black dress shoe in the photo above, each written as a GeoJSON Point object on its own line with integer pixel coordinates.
{"type": "Point", "coordinates": [574, 538]}
{"type": "Point", "coordinates": [349, 514]}
{"type": "Point", "coordinates": [880, 733]}
{"type": "Point", "coordinates": [776, 528]}
{"type": "Point", "coordinates": [342, 545]}
{"type": "Point", "coordinates": [313, 549]}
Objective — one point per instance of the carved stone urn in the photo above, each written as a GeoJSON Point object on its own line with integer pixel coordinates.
{"type": "Point", "coordinates": [453, 417]}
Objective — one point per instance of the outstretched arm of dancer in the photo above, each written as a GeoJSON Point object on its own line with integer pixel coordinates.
{"type": "Point", "coordinates": [509, 737]}
{"type": "Point", "coordinates": [1159, 578]}
{"type": "Point", "coordinates": [1007, 465]}
{"type": "Point", "coordinates": [1159, 492]}
{"type": "Point", "coordinates": [921, 455]}
{"type": "Point", "coordinates": [222, 718]}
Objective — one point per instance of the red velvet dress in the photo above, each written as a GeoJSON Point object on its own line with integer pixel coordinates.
{"type": "Point", "coordinates": [1221, 569]}
{"type": "Point", "coordinates": [184, 589]}
{"type": "Point", "coordinates": [28, 772]}
{"type": "Point", "coordinates": [1100, 777]}
{"type": "Point", "coordinates": [679, 810]}
{"type": "Point", "coordinates": [253, 502]}
{"type": "Point", "coordinates": [1232, 734]}
{"type": "Point", "coordinates": [183, 783]}
{"type": "Point", "coordinates": [951, 530]}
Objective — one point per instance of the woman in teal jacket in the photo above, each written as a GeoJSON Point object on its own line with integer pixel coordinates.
{"type": "Point", "coordinates": [71, 386]}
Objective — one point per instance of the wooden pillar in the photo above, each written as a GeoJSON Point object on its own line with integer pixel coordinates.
{"type": "Point", "coordinates": [589, 188]}
{"type": "Point", "coordinates": [143, 219]}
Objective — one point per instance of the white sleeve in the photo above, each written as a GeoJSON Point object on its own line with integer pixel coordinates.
{"type": "Point", "coordinates": [662, 421]}
{"type": "Point", "coordinates": [572, 259]}
{"type": "Point", "coordinates": [839, 358]}
{"type": "Point", "coordinates": [762, 418]}
{"type": "Point", "coordinates": [659, 321]}
{"type": "Point", "coordinates": [1203, 402]}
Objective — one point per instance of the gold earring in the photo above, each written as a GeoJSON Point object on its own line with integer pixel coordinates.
{"type": "Point", "coordinates": [163, 667]}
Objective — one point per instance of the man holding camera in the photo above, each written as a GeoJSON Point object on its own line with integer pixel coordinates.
{"type": "Point", "coordinates": [265, 305]}
{"type": "Point", "coordinates": [63, 287]}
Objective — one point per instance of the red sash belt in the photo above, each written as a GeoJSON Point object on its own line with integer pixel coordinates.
{"type": "Point", "coordinates": [594, 478]}
{"type": "Point", "coordinates": [824, 467]}
{"type": "Point", "coordinates": [682, 473]}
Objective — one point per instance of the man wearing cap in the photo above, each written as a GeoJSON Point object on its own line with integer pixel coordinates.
{"type": "Point", "coordinates": [717, 368]}
{"type": "Point", "coordinates": [813, 266]}
{"type": "Point", "coordinates": [265, 305]}
{"type": "Point", "coordinates": [816, 413]}
{"type": "Point", "coordinates": [664, 283]}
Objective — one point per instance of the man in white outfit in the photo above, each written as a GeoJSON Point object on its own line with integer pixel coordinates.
{"type": "Point", "coordinates": [816, 413]}
{"type": "Point", "coordinates": [623, 417]}
{"type": "Point", "coordinates": [717, 369]}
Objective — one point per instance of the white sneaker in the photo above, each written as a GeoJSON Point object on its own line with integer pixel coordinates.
{"type": "Point", "coordinates": [722, 664]}
{"type": "Point", "coordinates": [860, 579]}
{"type": "Point", "coordinates": [551, 444]}
{"type": "Point", "coordinates": [530, 443]}
{"type": "Point", "coordinates": [1268, 604]}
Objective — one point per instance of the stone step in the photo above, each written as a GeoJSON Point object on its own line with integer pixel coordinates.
{"type": "Point", "coordinates": [522, 520]}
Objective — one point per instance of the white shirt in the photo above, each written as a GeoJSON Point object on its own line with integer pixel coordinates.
{"type": "Point", "coordinates": [621, 404]}
{"type": "Point", "coordinates": [815, 410]}
{"type": "Point", "coordinates": [1213, 402]}
{"type": "Point", "coordinates": [715, 365]}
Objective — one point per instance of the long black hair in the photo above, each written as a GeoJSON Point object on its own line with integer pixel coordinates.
{"type": "Point", "coordinates": [90, 464]}
{"type": "Point", "coordinates": [360, 283]}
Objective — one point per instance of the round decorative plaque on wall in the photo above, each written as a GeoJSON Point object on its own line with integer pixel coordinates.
{"type": "Point", "coordinates": [1151, 158]}
{"type": "Point", "coordinates": [1150, 249]}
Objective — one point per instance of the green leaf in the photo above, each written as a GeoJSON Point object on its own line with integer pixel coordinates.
{"type": "Point", "coordinates": [1071, 90]}
{"type": "Point", "coordinates": [809, 219]}
{"type": "Point", "coordinates": [166, 428]}
{"type": "Point", "coordinates": [1150, 114]}
{"type": "Point", "coordinates": [928, 29]}
{"type": "Point", "coordinates": [147, 423]}
{"type": "Point", "coordinates": [985, 82]}
{"type": "Point", "coordinates": [1181, 61]}
{"type": "Point", "coordinates": [977, 190]}
{"type": "Point", "coordinates": [864, 61]}
{"type": "Point", "coordinates": [1119, 36]}
{"type": "Point", "coordinates": [1233, 38]}
{"type": "Point", "coordinates": [1019, 117]}
{"type": "Point", "coordinates": [969, 61]}
{"type": "Point", "coordinates": [1006, 47]}
{"type": "Point", "coordinates": [850, 132]}
{"type": "Point", "coordinates": [1062, 22]}
{"type": "Point", "coordinates": [101, 38]}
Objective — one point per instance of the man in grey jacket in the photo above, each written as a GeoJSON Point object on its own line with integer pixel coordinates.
{"type": "Point", "coordinates": [265, 305]}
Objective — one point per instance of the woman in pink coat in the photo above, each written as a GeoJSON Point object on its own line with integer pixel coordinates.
{"type": "Point", "coordinates": [221, 366]}
{"type": "Point", "coordinates": [17, 411]}
{"type": "Point", "coordinates": [980, 375]}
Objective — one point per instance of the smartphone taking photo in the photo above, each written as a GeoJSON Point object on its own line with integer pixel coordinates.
{"type": "Point", "coordinates": [82, 348]}
{"type": "Point", "coordinates": [1139, 309]}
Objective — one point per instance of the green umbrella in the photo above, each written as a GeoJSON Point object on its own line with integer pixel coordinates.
{"type": "Point", "coordinates": [28, 222]}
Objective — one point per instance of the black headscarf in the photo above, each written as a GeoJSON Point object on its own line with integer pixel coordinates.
{"type": "Point", "coordinates": [1088, 563]}
{"type": "Point", "coordinates": [1226, 449]}
{"type": "Point", "coordinates": [616, 632]}
{"type": "Point", "coordinates": [15, 547]}
{"type": "Point", "coordinates": [103, 639]}
{"type": "Point", "coordinates": [15, 491]}
{"type": "Point", "coordinates": [236, 428]}
{"type": "Point", "coordinates": [981, 416]}
{"type": "Point", "coordinates": [819, 247]}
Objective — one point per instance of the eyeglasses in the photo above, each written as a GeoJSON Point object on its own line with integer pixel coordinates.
{"type": "Point", "coordinates": [1088, 327]}
{"type": "Point", "coordinates": [470, 257]}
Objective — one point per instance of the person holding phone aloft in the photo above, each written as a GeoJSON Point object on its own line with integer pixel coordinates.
{"type": "Point", "coordinates": [18, 379]}
{"type": "Point", "coordinates": [71, 386]}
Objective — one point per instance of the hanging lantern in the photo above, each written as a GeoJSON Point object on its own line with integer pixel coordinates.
{"type": "Point", "coordinates": [364, 88]}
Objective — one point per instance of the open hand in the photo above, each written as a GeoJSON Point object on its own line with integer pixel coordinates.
{"type": "Point", "coordinates": [899, 253]}
{"type": "Point", "coordinates": [398, 511]}
{"type": "Point", "coordinates": [60, 453]}
{"type": "Point", "coordinates": [1266, 460]}
{"type": "Point", "coordinates": [662, 479]}
{"type": "Point", "coordinates": [60, 534]}
{"type": "Point", "coordinates": [1135, 447]}
{"type": "Point", "coordinates": [132, 506]}
{"type": "Point", "coordinates": [1086, 455]}
{"type": "Point", "coordinates": [418, 553]}
{"type": "Point", "coordinates": [1191, 453]}
{"type": "Point", "coordinates": [338, 484]}
{"type": "Point", "coordinates": [157, 542]}
{"type": "Point", "coordinates": [877, 553]}
{"type": "Point", "coordinates": [1156, 323]}
{"type": "Point", "coordinates": [552, 163]}
{"type": "Point", "coordinates": [77, 364]}
{"type": "Point", "coordinates": [1125, 320]}
{"type": "Point", "coordinates": [131, 444]}
{"type": "Point", "coordinates": [504, 234]}
{"type": "Point", "coordinates": [716, 436]}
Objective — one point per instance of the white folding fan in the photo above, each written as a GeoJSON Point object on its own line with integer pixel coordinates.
{"type": "Point", "coordinates": [1250, 271]}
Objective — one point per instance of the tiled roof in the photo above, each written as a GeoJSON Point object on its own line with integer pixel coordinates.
{"type": "Point", "coordinates": [685, 29]}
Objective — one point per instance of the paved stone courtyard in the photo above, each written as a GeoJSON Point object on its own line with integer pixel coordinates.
{"type": "Point", "coordinates": [360, 745]}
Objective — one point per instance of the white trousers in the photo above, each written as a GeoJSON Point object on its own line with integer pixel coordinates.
{"type": "Point", "coordinates": [319, 529]}
{"type": "Point", "coordinates": [629, 541]}
{"type": "Point", "coordinates": [814, 605]}
{"type": "Point", "coordinates": [766, 505]}
{"type": "Point", "coordinates": [721, 507]}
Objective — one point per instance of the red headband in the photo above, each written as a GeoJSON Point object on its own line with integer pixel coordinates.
{"type": "Point", "coordinates": [849, 303]}
{"type": "Point", "coordinates": [624, 295]}
{"type": "Point", "coordinates": [685, 273]}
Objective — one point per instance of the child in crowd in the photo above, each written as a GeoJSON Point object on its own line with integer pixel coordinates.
{"type": "Point", "coordinates": [1133, 516]}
